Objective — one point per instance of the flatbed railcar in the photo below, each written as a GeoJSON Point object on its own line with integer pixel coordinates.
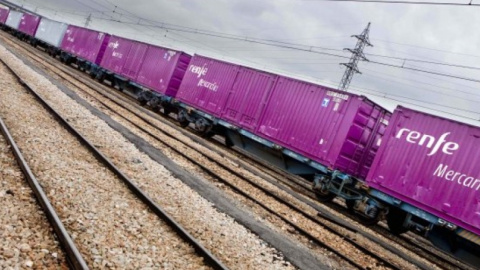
{"type": "Point", "coordinates": [322, 134]}
{"type": "Point", "coordinates": [151, 72]}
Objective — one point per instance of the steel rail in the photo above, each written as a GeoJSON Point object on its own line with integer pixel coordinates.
{"type": "Point", "coordinates": [73, 255]}
{"type": "Point", "coordinates": [274, 196]}
{"type": "Point", "coordinates": [154, 207]}
{"type": "Point", "coordinates": [295, 186]}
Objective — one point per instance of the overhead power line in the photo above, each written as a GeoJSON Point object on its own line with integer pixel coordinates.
{"type": "Point", "coordinates": [403, 2]}
{"type": "Point", "coordinates": [285, 45]}
{"type": "Point", "coordinates": [427, 71]}
{"type": "Point", "coordinates": [423, 61]}
{"type": "Point", "coordinates": [271, 42]}
{"type": "Point", "coordinates": [311, 50]}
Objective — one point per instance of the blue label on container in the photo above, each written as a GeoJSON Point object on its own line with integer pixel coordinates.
{"type": "Point", "coordinates": [325, 102]}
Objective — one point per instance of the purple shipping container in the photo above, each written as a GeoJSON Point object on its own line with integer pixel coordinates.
{"type": "Point", "coordinates": [3, 15]}
{"type": "Point", "coordinates": [163, 70]}
{"type": "Point", "coordinates": [116, 54]}
{"type": "Point", "coordinates": [232, 92]}
{"type": "Point", "coordinates": [431, 163]}
{"type": "Point", "coordinates": [157, 68]}
{"type": "Point", "coordinates": [336, 129]}
{"type": "Point", "coordinates": [85, 43]}
{"type": "Point", "coordinates": [29, 24]}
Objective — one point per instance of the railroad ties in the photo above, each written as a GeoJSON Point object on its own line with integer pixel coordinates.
{"type": "Point", "coordinates": [258, 186]}
{"type": "Point", "coordinates": [74, 256]}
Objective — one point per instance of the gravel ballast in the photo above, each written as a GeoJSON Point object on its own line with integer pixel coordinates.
{"type": "Point", "coordinates": [109, 225]}
{"type": "Point", "coordinates": [326, 237]}
{"type": "Point", "coordinates": [229, 241]}
{"type": "Point", "coordinates": [26, 237]}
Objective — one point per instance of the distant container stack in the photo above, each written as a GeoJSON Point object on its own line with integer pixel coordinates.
{"type": "Point", "coordinates": [3, 15]}
{"type": "Point", "coordinates": [51, 32]}
{"type": "Point", "coordinates": [431, 163]}
{"type": "Point", "coordinates": [29, 24]}
{"type": "Point", "coordinates": [13, 19]}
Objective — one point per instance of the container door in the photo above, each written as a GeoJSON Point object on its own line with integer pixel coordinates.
{"type": "Point", "coordinates": [134, 60]}
{"type": "Point", "coordinates": [356, 154]}
{"type": "Point", "coordinates": [247, 97]}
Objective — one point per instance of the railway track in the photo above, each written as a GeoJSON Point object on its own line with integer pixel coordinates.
{"type": "Point", "coordinates": [21, 210]}
{"type": "Point", "coordinates": [202, 258]}
{"type": "Point", "coordinates": [312, 218]}
{"type": "Point", "coordinates": [409, 240]}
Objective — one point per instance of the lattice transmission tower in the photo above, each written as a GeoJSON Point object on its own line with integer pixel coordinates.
{"type": "Point", "coordinates": [357, 55]}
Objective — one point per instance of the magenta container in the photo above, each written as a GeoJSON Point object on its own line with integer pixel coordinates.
{"type": "Point", "coordinates": [116, 54]}
{"type": "Point", "coordinates": [336, 129]}
{"type": "Point", "coordinates": [154, 67]}
{"type": "Point", "coordinates": [163, 70]}
{"type": "Point", "coordinates": [433, 164]}
{"type": "Point", "coordinates": [228, 91]}
{"type": "Point", "coordinates": [3, 15]}
{"type": "Point", "coordinates": [85, 43]}
{"type": "Point", "coordinates": [339, 130]}
{"type": "Point", "coordinates": [29, 24]}
{"type": "Point", "coordinates": [207, 84]}
{"type": "Point", "coordinates": [134, 60]}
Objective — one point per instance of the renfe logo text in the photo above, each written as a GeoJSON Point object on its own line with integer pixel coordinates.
{"type": "Point", "coordinates": [429, 141]}
{"type": "Point", "coordinates": [200, 71]}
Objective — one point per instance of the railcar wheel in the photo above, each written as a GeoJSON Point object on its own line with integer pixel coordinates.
{"type": "Point", "coordinates": [368, 221]}
{"type": "Point", "coordinates": [166, 111]}
{"type": "Point", "coordinates": [324, 196]}
{"type": "Point", "coordinates": [208, 134]}
{"type": "Point", "coordinates": [365, 220]}
{"type": "Point", "coordinates": [350, 205]}
{"type": "Point", "coordinates": [157, 108]}
{"type": "Point", "coordinates": [228, 142]}
{"type": "Point", "coordinates": [182, 118]}
{"type": "Point", "coordinates": [395, 219]}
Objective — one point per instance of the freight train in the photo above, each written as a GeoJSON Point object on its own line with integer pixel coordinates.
{"type": "Point", "coordinates": [417, 171]}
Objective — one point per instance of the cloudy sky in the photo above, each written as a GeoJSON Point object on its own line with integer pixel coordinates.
{"type": "Point", "coordinates": [295, 37]}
